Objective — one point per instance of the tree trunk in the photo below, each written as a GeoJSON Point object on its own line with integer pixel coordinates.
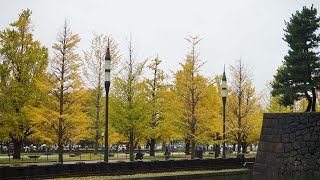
{"type": "Point", "coordinates": [193, 148]}
{"type": "Point", "coordinates": [152, 147]}
{"type": "Point", "coordinates": [187, 147]}
{"type": "Point", "coordinates": [314, 100]}
{"type": "Point", "coordinates": [239, 143]}
{"type": "Point", "coordinates": [164, 146]}
{"type": "Point", "coordinates": [70, 146]}
{"type": "Point", "coordinates": [60, 144]}
{"type": "Point", "coordinates": [96, 144]}
{"type": "Point", "coordinates": [131, 147]}
{"type": "Point", "coordinates": [233, 147]}
{"type": "Point", "coordinates": [148, 144]}
{"type": "Point", "coordinates": [244, 147]}
{"type": "Point", "coordinates": [309, 101]}
{"type": "Point", "coordinates": [17, 149]}
{"type": "Point", "coordinates": [239, 133]}
{"type": "Point", "coordinates": [239, 110]}
{"type": "Point", "coordinates": [216, 150]}
{"type": "Point", "coordinates": [60, 129]}
{"type": "Point", "coordinates": [251, 149]}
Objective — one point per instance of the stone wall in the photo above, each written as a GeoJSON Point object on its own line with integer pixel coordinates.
{"type": "Point", "coordinates": [289, 144]}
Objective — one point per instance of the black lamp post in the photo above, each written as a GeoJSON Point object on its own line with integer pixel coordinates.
{"type": "Point", "coordinates": [224, 99]}
{"type": "Point", "coordinates": [102, 135]}
{"type": "Point", "coordinates": [107, 86]}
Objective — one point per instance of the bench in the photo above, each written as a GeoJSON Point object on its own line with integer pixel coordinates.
{"type": "Point", "coordinates": [211, 153]}
{"type": "Point", "coordinates": [110, 155]}
{"type": "Point", "coordinates": [48, 154]}
{"type": "Point", "coordinates": [34, 156]}
{"type": "Point", "coordinates": [75, 154]}
{"type": "Point", "coordinates": [248, 165]}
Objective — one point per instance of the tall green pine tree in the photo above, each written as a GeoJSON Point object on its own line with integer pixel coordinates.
{"type": "Point", "coordinates": [299, 76]}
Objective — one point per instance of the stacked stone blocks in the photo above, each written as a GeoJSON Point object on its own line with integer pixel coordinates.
{"type": "Point", "coordinates": [289, 144]}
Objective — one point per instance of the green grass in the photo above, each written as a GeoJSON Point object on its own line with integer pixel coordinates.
{"type": "Point", "coordinates": [174, 173]}
{"type": "Point", "coordinates": [88, 157]}
{"type": "Point", "coordinates": [83, 157]}
{"type": "Point", "coordinates": [51, 158]}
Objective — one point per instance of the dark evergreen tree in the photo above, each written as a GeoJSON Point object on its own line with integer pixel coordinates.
{"type": "Point", "coordinates": [298, 78]}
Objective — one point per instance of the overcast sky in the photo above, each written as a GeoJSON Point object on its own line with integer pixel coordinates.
{"type": "Point", "coordinates": [250, 29]}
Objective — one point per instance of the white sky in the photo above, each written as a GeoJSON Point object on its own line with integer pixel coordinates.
{"type": "Point", "coordinates": [250, 29]}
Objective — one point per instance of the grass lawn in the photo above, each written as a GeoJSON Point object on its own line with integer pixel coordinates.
{"type": "Point", "coordinates": [156, 174]}
{"type": "Point", "coordinates": [89, 156]}
{"type": "Point", "coordinates": [83, 157]}
{"type": "Point", "coordinates": [51, 158]}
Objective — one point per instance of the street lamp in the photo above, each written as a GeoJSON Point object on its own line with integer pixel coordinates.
{"type": "Point", "coordinates": [107, 86]}
{"type": "Point", "coordinates": [224, 99]}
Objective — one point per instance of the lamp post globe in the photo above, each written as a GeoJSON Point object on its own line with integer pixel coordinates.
{"type": "Point", "coordinates": [224, 99]}
{"type": "Point", "coordinates": [107, 87]}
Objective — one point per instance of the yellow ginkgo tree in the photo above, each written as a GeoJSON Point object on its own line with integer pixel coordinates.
{"type": "Point", "coordinates": [22, 61]}
{"type": "Point", "coordinates": [93, 70]}
{"type": "Point", "coordinates": [128, 103]}
{"type": "Point", "coordinates": [155, 89]}
{"type": "Point", "coordinates": [195, 114]}
{"type": "Point", "coordinates": [244, 117]}
{"type": "Point", "coordinates": [62, 115]}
